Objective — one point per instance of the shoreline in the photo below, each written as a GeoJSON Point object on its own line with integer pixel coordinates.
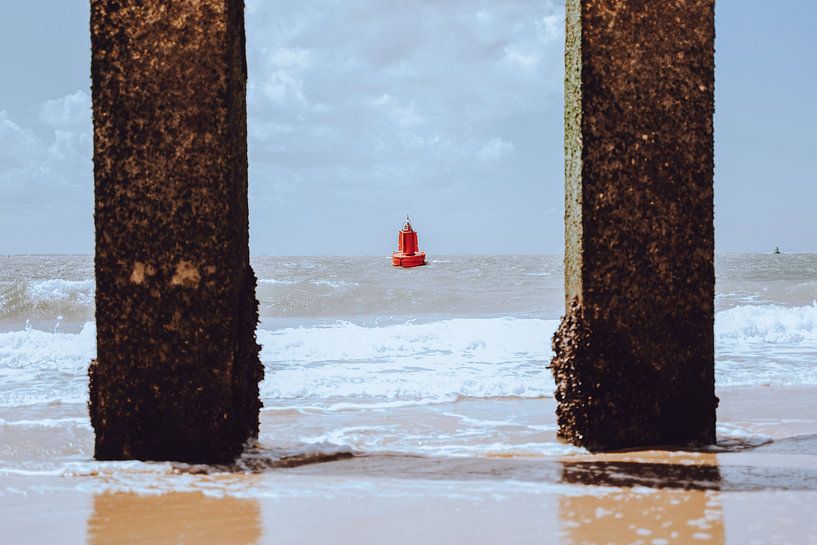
{"type": "Point", "coordinates": [764, 492]}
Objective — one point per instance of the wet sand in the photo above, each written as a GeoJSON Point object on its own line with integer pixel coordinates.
{"type": "Point", "coordinates": [426, 512]}
{"type": "Point", "coordinates": [758, 486]}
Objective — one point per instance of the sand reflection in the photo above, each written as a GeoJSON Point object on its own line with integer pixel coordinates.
{"type": "Point", "coordinates": [658, 499]}
{"type": "Point", "coordinates": [190, 518]}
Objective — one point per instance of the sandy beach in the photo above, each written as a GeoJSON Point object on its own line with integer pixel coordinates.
{"type": "Point", "coordinates": [758, 486]}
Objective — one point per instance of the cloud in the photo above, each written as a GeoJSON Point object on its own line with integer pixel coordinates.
{"type": "Point", "coordinates": [402, 114]}
{"type": "Point", "coordinates": [280, 79]}
{"type": "Point", "coordinates": [355, 108]}
{"type": "Point", "coordinates": [69, 112]}
{"type": "Point", "coordinates": [411, 72]}
{"type": "Point", "coordinates": [526, 60]}
{"type": "Point", "coordinates": [551, 26]}
{"type": "Point", "coordinates": [362, 105]}
{"type": "Point", "coordinates": [18, 146]}
{"type": "Point", "coordinates": [494, 150]}
{"type": "Point", "coordinates": [37, 173]}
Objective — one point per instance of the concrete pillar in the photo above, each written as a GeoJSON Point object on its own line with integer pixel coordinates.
{"type": "Point", "coordinates": [634, 361]}
{"type": "Point", "coordinates": [177, 369]}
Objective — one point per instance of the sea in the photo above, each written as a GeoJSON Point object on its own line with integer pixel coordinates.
{"type": "Point", "coordinates": [444, 361]}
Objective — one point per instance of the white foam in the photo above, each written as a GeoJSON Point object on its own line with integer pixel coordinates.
{"type": "Point", "coordinates": [339, 367]}
{"type": "Point", "coordinates": [46, 299]}
{"type": "Point", "coordinates": [58, 423]}
{"type": "Point", "coordinates": [151, 478]}
{"type": "Point", "coordinates": [35, 349]}
{"type": "Point", "coordinates": [772, 324]}
{"type": "Point", "coordinates": [273, 281]}
{"type": "Point", "coordinates": [486, 340]}
{"type": "Point", "coordinates": [56, 289]}
{"type": "Point", "coordinates": [427, 433]}
{"type": "Point", "coordinates": [766, 344]}
{"type": "Point", "coordinates": [337, 284]}
{"type": "Point", "coordinates": [346, 366]}
{"type": "Point", "coordinates": [42, 367]}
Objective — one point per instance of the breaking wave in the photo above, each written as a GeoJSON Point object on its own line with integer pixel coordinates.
{"type": "Point", "coordinates": [766, 344]}
{"type": "Point", "coordinates": [346, 365]}
{"type": "Point", "coordinates": [47, 299]}
{"type": "Point", "coordinates": [339, 366]}
{"type": "Point", "coordinates": [42, 367]}
{"type": "Point", "coordinates": [487, 340]}
{"type": "Point", "coordinates": [771, 324]}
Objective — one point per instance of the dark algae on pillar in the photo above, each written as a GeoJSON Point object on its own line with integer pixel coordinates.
{"type": "Point", "coordinates": [177, 369]}
{"type": "Point", "coordinates": [634, 355]}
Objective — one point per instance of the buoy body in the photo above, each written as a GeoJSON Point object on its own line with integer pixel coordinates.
{"type": "Point", "coordinates": [408, 253]}
{"type": "Point", "coordinates": [406, 261]}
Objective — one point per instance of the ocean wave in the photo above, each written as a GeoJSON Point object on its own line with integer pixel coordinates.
{"type": "Point", "coordinates": [35, 351]}
{"type": "Point", "coordinates": [274, 281]}
{"type": "Point", "coordinates": [339, 367]}
{"type": "Point", "coordinates": [336, 284]}
{"type": "Point", "coordinates": [766, 345]}
{"type": "Point", "coordinates": [346, 366]}
{"type": "Point", "coordinates": [41, 367]}
{"type": "Point", "coordinates": [490, 340]}
{"type": "Point", "coordinates": [56, 423]}
{"type": "Point", "coordinates": [772, 324]}
{"type": "Point", "coordinates": [56, 289]}
{"type": "Point", "coordinates": [47, 299]}
{"type": "Point", "coordinates": [409, 363]}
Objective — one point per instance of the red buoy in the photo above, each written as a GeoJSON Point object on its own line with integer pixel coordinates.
{"type": "Point", "coordinates": [407, 254]}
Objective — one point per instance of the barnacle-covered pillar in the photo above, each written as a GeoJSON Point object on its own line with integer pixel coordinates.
{"type": "Point", "coordinates": [177, 369]}
{"type": "Point", "coordinates": [634, 361]}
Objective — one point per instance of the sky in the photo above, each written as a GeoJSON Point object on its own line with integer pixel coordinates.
{"type": "Point", "coordinates": [360, 111]}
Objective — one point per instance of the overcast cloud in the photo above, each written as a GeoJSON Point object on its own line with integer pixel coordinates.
{"type": "Point", "coordinates": [363, 110]}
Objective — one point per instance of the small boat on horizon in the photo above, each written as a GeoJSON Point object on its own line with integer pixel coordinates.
{"type": "Point", "coordinates": [408, 253]}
